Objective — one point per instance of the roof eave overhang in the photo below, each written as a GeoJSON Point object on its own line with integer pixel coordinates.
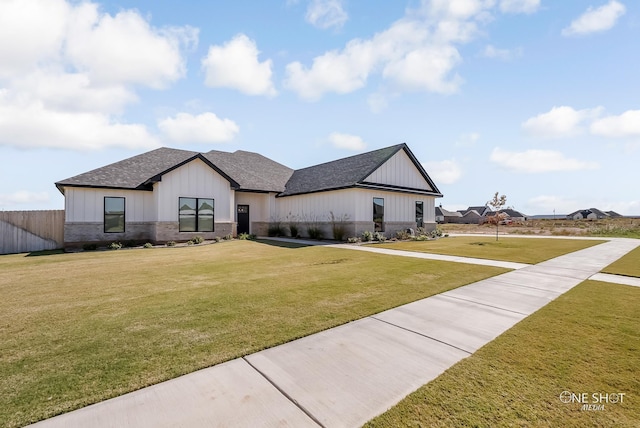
{"type": "Point", "coordinates": [144, 188]}
{"type": "Point", "coordinates": [371, 186]}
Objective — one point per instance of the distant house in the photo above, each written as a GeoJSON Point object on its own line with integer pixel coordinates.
{"type": "Point", "coordinates": [589, 214]}
{"type": "Point", "coordinates": [445, 216]}
{"type": "Point", "coordinates": [481, 210]}
{"type": "Point", "coordinates": [471, 217]}
{"type": "Point", "coordinates": [613, 214]}
{"type": "Point", "coordinates": [171, 195]}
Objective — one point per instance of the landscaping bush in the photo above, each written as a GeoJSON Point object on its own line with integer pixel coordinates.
{"type": "Point", "coordinates": [403, 235]}
{"type": "Point", "coordinates": [228, 237]}
{"type": "Point", "coordinates": [276, 228]}
{"type": "Point", "coordinates": [294, 225]}
{"type": "Point", "coordinates": [379, 237]}
{"type": "Point", "coordinates": [148, 245]}
{"type": "Point", "coordinates": [353, 240]}
{"type": "Point", "coordinates": [315, 232]}
{"type": "Point", "coordinates": [367, 236]}
{"type": "Point", "coordinates": [338, 225]}
{"type": "Point", "coordinates": [218, 239]}
{"type": "Point", "coordinates": [198, 239]}
{"type": "Point", "coordinates": [171, 244]}
{"type": "Point", "coordinates": [115, 246]}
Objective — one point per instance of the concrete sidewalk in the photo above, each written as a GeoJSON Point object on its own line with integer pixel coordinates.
{"type": "Point", "coordinates": [347, 375]}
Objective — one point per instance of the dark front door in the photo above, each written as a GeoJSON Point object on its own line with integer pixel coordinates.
{"type": "Point", "coordinates": [243, 219]}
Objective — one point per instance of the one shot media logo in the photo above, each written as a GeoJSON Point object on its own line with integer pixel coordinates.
{"type": "Point", "coordinates": [594, 401]}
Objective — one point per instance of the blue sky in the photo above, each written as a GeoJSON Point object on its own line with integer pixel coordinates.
{"type": "Point", "coordinates": [539, 100]}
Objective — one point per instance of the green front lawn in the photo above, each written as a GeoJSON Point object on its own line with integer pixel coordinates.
{"type": "Point", "coordinates": [79, 328]}
{"type": "Point", "coordinates": [586, 341]}
{"type": "Point", "coordinates": [521, 250]}
{"type": "Point", "coordinates": [628, 265]}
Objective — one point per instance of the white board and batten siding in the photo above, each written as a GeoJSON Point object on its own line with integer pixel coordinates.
{"type": "Point", "coordinates": [86, 205]}
{"type": "Point", "coordinates": [318, 205]}
{"type": "Point", "coordinates": [357, 204]}
{"type": "Point", "coordinates": [399, 170]}
{"type": "Point", "coordinates": [195, 179]}
{"type": "Point", "coordinates": [398, 207]}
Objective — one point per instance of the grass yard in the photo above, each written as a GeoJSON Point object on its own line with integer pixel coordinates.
{"type": "Point", "coordinates": [521, 250]}
{"type": "Point", "coordinates": [586, 341]}
{"type": "Point", "coordinates": [80, 328]}
{"type": "Point", "coordinates": [628, 265]}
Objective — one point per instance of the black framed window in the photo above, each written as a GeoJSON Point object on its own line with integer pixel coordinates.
{"type": "Point", "coordinates": [114, 210]}
{"type": "Point", "coordinates": [196, 214]}
{"type": "Point", "coordinates": [419, 213]}
{"type": "Point", "coordinates": [378, 214]}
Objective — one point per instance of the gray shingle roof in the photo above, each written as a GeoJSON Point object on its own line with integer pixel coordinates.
{"type": "Point", "coordinates": [252, 171]}
{"type": "Point", "coordinates": [244, 170]}
{"type": "Point", "coordinates": [345, 172]}
{"type": "Point", "coordinates": [131, 173]}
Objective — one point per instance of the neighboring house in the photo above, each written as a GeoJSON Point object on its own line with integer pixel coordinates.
{"type": "Point", "coordinates": [613, 214]}
{"type": "Point", "coordinates": [172, 195]}
{"type": "Point", "coordinates": [588, 214]}
{"type": "Point", "coordinates": [481, 210]}
{"type": "Point", "coordinates": [510, 214]}
{"type": "Point", "coordinates": [445, 216]}
{"type": "Point", "coordinates": [471, 217]}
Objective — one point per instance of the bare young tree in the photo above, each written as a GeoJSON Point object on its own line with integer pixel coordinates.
{"type": "Point", "coordinates": [497, 203]}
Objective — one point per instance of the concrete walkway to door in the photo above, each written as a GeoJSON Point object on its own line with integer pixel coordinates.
{"type": "Point", "coordinates": [345, 376]}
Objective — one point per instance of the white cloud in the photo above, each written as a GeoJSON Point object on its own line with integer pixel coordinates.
{"type": "Point", "coordinates": [23, 197]}
{"type": "Point", "coordinates": [625, 125]}
{"type": "Point", "coordinates": [416, 53]}
{"type": "Point", "coordinates": [596, 20]}
{"type": "Point", "coordinates": [347, 141]}
{"type": "Point", "coordinates": [519, 6]}
{"type": "Point", "coordinates": [235, 65]}
{"type": "Point", "coordinates": [203, 128]}
{"type": "Point", "coordinates": [563, 121]}
{"type": "Point", "coordinates": [444, 172]}
{"type": "Point", "coordinates": [468, 139]}
{"type": "Point", "coordinates": [538, 161]}
{"type": "Point", "coordinates": [491, 51]}
{"type": "Point", "coordinates": [124, 48]}
{"type": "Point", "coordinates": [377, 102]}
{"type": "Point", "coordinates": [326, 13]}
{"type": "Point", "coordinates": [68, 71]}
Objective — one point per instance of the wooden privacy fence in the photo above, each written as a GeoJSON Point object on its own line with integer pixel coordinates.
{"type": "Point", "coordinates": [26, 231]}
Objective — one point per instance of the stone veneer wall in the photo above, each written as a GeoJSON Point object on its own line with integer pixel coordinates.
{"type": "Point", "coordinates": [166, 231]}
{"type": "Point", "coordinates": [78, 234]}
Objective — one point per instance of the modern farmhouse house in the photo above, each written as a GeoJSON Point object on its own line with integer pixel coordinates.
{"type": "Point", "coordinates": [172, 195]}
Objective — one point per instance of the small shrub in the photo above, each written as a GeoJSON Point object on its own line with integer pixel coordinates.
{"type": "Point", "coordinates": [367, 236]}
{"type": "Point", "coordinates": [148, 245]}
{"type": "Point", "coordinates": [228, 237]}
{"type": "Point", "coordinates": [197, 240]}
{"type": "Point", "coordinates": [338, 225]}
{"type": "Point", "coordinates": [115, 246]}
{"type": "Point", "coordinates": [294, 226]}
{"type": "Point", "coordinates": [379, 237]}
{"type": "Point", "coordinates": [171, 244]}
{"type": "Point", "coordinates": [353, 240]}
{"type": "Point", "coordinates": [403, 235]}
{"type": "Point", "coordinates": [315, 232]}
{"type": "Point", "coordinates": [89, 247]}
{"type": "Point", "coordinates": [218, 239]}
{"type": "Point", "coordinates": [275, 228]}
{"type": "Point", "coordinates": [243, 236]}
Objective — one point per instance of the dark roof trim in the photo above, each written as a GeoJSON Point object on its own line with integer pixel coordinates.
{"type": "Point", "coordinates": [382, 187]}
{"type": "Point", "coordinates": [369, 185]}
{"type": "Point", "coordinates": [255, 191]}
{"type": "Point", "coordinates": [142, 188]}
{"type": "Point", "coordinates": [158, 177]}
